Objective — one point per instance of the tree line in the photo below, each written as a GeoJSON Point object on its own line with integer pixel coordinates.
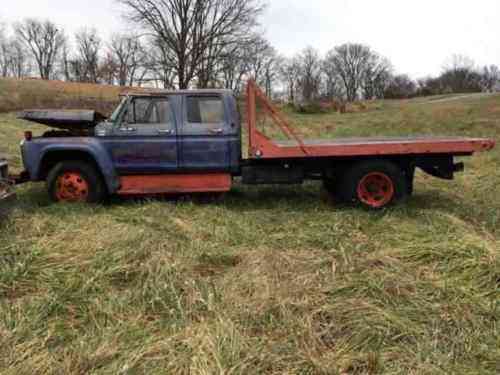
{"type": "Point", "coordinates": [217, 43]}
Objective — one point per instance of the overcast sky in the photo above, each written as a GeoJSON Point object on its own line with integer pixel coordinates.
{"type": "Point", "coordinates": [417, 36]}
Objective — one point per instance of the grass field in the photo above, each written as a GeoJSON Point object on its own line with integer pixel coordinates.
{"type": "Point", "coordinates": [271, 280]}
{"type": "Point", "coordinates": [34, 93]}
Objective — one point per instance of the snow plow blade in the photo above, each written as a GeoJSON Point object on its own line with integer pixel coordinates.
{"type": "Point", "coordinates": [77, 120]}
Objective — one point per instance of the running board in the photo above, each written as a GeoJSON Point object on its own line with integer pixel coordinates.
{"type": "Point", "coordinates": [175, 184]}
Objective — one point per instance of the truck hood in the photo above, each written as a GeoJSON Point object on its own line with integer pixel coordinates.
{"type": "Point", "coordinates": [63, 119]}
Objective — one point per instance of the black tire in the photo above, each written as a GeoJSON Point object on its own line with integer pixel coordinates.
{"type": "Point", "coordinates": [97, 191]}
{"type": "Point", "coordinates": [394, 187]}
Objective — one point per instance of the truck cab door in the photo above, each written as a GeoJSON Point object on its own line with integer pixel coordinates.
{"type": "Point", "coordinates": [205, 133]}
{"type": "Point", "coordinates": [145, 140]}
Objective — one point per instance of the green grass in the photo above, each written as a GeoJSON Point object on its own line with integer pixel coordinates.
{"type": "Point", "coordinates": [271, 280]}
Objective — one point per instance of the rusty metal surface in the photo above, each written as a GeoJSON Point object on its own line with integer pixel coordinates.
{"type": "Point", "coordinates": [159, 92]}
{"type": "Point", "coordinates": [391, 146]}
{"type": "Point", "coordinates": [377, 140]}
{"type": "Point", "coordinates": [175, 184]}
{"type": "Point", "coordinates": [263, 147]}
{"type": "Point", "coordinates": [63, 119]}
{"type": "Point", "coordinates": [257, 140]}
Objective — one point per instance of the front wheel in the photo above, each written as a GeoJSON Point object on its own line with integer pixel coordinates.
{"type": "Point", "coordinates": [75, 181]}
{"type": "Point", "coordinates": [374, 184]}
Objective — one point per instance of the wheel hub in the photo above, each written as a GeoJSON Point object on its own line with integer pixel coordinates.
{"type": "Point", "coordinates": [376, 190]}
{"type": "Point", "coordinates": [72, 187]}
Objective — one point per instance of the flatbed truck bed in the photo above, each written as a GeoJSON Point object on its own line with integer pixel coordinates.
{"type": "Point", "coordinates": [342, 147]}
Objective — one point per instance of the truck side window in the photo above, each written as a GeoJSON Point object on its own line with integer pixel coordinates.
{"type": "Point", "coordinates": [150, 111]}
{"type": "Point", "coordinates": [205, 110]}
{"type": "Point", "coordinates": [138, 110]}
{"type": "Point", "coordinates": [163, 111]}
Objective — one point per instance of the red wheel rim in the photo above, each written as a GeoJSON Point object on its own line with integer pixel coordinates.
{"type": "Point", "coordinates": [376, 190]}
{"type": "Point", "coordinates": [72, 187]}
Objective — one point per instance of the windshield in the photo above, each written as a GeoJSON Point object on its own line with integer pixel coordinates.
{"type": "Point", "coordinates": [117, 111]}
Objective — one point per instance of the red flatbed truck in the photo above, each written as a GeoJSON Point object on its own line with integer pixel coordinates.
{"type": "Point", "coordinates": [374, 172]}
{"type": "Point", "coordinates": [190, 141]}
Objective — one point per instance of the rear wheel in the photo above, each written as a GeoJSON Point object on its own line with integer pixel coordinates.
{"type": "Point", "coordinates": [373, 184]}
{"type": "Point", "coordinates": [75, 181]}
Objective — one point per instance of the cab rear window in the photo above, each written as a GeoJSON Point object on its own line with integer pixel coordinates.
{"type": "Point", "coordinates": [205, 110]}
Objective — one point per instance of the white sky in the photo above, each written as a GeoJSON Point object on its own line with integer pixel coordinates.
{"type": "Point", "coordinates": [417, 36]}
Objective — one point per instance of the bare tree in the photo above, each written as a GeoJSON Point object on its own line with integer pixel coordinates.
{"type": "Point", "coordinates": [333, 83]}
{"type": "Point", "coordinates": [109, 69]}
{"type": "Point", "coordinates": [459, 62]}
{"type": "Point", "coordinates": [65, 62]}
{"type": "Point", "coordinates": [19, 62]}
{"type": "Point", "coordinates": [460, 75]}
{"type": "Point", "coordinates": [377, 77]}
{"type": "Point", "coordinates": [4, 52]}
{"type": "Point", "coordinates": [256, 53]}
{"type": "Point", "coordinates": [88, 45]}
{"type": "Point", "coordinates": [233, 68]}
{"type": "Point", "coordinates": [310, 73]}
{"type": "Point", "coordinates": [14, 59]}
{"type": "Point", "coordinates": [128, 52]}
{"type": "Point", "coordinates": [158, 66]}
{"type": "Point", "coordinates": [351, 61]}
{"type": "Point", "coordinates": [253, 58]}
{"type": "Point", "coordinates": [271, 72]}
{"type": "Point", "coordinates": [290, 74]}
{"type": "Point", "coordinates": [190, 28]}
{"type": "Point", "coordinates": [400, 87]}
{"type": "Point", "coordinates": [490, 78]}
{"type": "Point", "coordinates": [44, 40]}
{"type": "Point", "coordinates": [4, 57]}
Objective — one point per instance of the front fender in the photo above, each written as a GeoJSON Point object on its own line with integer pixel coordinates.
{"type": "Point", "coordinates": [36, 151]}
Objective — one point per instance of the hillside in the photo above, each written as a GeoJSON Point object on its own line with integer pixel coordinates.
{"type": "Point", "coordinates": [270, 280]}
{"type": "Point", "coordinates": [34, 93]}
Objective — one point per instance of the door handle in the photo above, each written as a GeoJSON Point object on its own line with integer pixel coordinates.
{"type": "Point", "coordinates": [217, 131]}
{"type": "Point", "coordinates": [165, 131]}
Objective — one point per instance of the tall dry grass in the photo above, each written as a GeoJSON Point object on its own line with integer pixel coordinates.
{"type": "Point", "coordinates": [270, 281]}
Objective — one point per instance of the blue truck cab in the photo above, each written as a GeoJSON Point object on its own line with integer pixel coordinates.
{"type": "Point", "coordinates": [149, 134]}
